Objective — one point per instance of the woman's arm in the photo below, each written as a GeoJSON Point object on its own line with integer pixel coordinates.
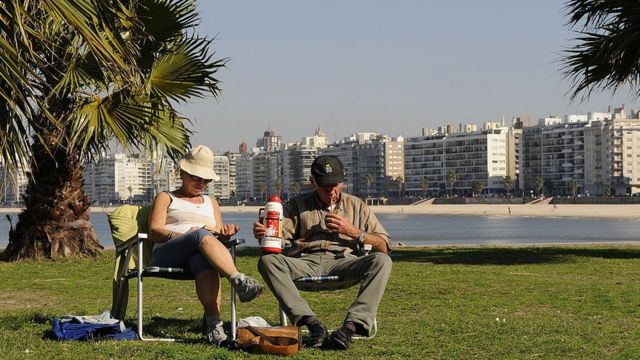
{"type": "Point", "coordinates": [216, 214]}
{"type": "Point", "coordinates": [158, 219]}
{"type": "Point", "coordinates": [225, 230]}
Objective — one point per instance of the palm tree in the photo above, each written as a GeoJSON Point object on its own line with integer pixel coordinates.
{"type": "Point", "coordinates": [399, 182]}
{"type": "Point", "coordinates": [262, 189]}
{"type": "Point", "coordinates": [278, 187]}
{"type": "Point", "coordinates": [507, 182]}
{"type": "Point", "coordinates": [477, 186]}
{"type": "Point", "coordinates": [130, 189]}
{"type": "Point", "coordinates": [295, 188]}
{"type": "Point", "coordinates": [572, 185]}
{"type": "Point", "coordinates": [368, 179]}
{"type": "Point", "coordinates": [539, 184]}
{"type": "Point", "coordinates": [425, 186]}
{"type": "Point", "coordinates": [76, 75]}
{"type": "Point", "coordinates": [451, 180]}
{"type": "Point", "coordinates": [605, 56]}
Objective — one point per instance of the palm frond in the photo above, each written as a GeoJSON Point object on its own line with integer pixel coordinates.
{"type": "Point", "coordinates": [93, 20]}
{"type": "Point", "coordinates": [164, 20]}
{"type": "Point", "coordinates": [168, 133]}
{"type": "Point", "coordinates": [103, 118]}
{"type": "Point", "coordinates": [186, 71]}
{"type": "Point", "coordinates": [607, 53]}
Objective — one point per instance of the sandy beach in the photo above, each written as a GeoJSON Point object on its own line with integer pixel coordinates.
{"type": "Point", "coordinates": [532, 210]}
{"type": "Point", "coordinates": [535, 210]}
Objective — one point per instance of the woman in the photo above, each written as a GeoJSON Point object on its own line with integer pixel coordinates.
{"type": "Point", "coordinates": [185, 227]}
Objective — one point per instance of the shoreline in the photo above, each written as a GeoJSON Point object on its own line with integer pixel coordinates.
{"type": "Point", "coordinates": [409, 246]}
{"type": "Point", "coordinates": [604, 211]}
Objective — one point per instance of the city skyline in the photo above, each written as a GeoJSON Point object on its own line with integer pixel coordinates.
{"type": "Point", "coordinates": [384, 67]}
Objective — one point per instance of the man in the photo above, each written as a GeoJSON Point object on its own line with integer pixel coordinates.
{"type": "Point", "coordinates": [327, 228]}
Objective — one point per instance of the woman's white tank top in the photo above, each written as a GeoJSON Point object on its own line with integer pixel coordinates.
{"type": "Point", "coordinates": [183, 215]}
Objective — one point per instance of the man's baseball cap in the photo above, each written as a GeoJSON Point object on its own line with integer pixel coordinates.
{"type": "Point", "coordinates": [327, 170]}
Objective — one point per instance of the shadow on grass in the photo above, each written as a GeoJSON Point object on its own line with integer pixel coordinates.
{"type": "Point", "coordinates": [186, 331]}
{"type": "Point", "coordinates": [508, 256]}
{"type": "Point", "coordinates": [495, 256]}
{"type": "Point", "coordinates": [169, 327]}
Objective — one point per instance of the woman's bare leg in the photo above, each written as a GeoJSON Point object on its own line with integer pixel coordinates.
{"type": "Point", "coordinates": [218, 256]}
{"type": "Point", "coordinates": [208, 291]}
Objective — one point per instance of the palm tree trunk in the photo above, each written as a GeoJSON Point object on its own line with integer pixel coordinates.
{"type": "Point", "coordinates": [55, 222]}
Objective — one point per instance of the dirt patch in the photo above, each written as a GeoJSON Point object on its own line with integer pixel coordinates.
{"type": "Point", "coordinates": [20, 300]}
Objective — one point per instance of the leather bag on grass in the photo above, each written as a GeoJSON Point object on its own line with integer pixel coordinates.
{"type": "Point", "coordinates": [277, 340]}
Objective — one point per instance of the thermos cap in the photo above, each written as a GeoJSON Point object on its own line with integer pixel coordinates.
{"type": "Point", "coordinates": [275, 198]}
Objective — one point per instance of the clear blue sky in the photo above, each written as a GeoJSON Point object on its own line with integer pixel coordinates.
{"type": "Point", "coordinates": [389, 67]}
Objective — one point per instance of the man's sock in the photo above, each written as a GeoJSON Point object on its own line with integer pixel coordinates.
{"type": "Point", "coordinates": [308, 320]}
{"type": "Point", "coordinates": [350, 325]}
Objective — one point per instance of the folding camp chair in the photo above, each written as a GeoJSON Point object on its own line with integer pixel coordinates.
{"type": "Point", "coordinates": [134, 254]}
{"type": "Point", "coordinates": [329, 283]}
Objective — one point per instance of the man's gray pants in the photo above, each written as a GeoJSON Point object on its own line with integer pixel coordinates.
{"type": "Point", "coordinates": [279, 271]}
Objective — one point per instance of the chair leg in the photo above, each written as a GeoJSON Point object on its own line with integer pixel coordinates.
{"type": "Point", "coordinates": [140, 296]}
{"type": "Point", "coordinates": [234, 323]}
{"type": "Point", "coordinates": [283, 317]}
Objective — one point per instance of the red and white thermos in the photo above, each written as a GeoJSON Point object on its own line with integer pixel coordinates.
{"type": "Point", "coordinates": [271, 216]}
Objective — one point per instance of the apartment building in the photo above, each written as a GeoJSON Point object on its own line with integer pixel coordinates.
{"type": "Point", "coordinates": [233, 158]}
{"type": "Point", "coordinates": [269, 142]}
{"type": "Point", "coordinates": [555, 151]}
{"type": "Point", "coordinates": [612, 161]}
{"type": "Point", "coordinates": [296, 168]}
{"type": "Point", "coordinates": [374, 164]}
{"type": "Point", "coordinates": [483, 156]}
{"type": "Point", "coordinates": [13, 183]}
{"type": "Point", "coordinates": [394, 165]}
{"type": "Point", "coordinates": [244, 176]}
{"type": "Point", "coordinates": [221, 188]}
{"type": "Point", "coordinates": [121, 178]}
{"type": "Point", "coordinates": [424, 167]}
{"type": "Point", "coordinates": [345, 151]}
{"type": "Point", "coordinates": [600, 151]}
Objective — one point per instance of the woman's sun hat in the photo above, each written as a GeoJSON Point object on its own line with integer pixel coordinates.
{"type": "Point", "coordinates": [199, 162]}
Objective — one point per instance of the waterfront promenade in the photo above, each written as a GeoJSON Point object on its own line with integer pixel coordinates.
{"type": "Point", "coordinates": [618, 211]}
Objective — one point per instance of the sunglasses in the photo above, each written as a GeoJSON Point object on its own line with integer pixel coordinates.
{"type": "Point", "coordinates": [198, 178]}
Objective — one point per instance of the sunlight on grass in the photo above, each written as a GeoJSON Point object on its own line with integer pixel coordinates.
{"type": "Point", "coordinates": [561, 302]}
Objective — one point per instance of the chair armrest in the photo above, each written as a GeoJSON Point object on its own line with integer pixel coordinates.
{"type": "Point", "coordinates": [129, 244]}
{"type": "Point", "coordinates": [233, 242]}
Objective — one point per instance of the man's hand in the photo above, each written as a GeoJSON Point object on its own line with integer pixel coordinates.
{"type": "Point", "coordinates": [341, 225]}
{"type": "Point", "coordinates": [259, 230]}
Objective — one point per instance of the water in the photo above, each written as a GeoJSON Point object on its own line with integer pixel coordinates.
{"type": "Point", "coordinates": [445, 230]}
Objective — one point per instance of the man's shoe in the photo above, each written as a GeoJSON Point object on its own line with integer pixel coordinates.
{"type": "Point", "coordinates": [214, 332]}
{"type": "Point", "coordinates": [341, 338]}
{"type": "Point", "coordinates": [248, 289]}
{"type": "Point", "coordinates": [317, 335]}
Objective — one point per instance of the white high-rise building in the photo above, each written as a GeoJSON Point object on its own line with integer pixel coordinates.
{"type": "Point", "coordinates": [296, 160]}
{"type": "Point", "coordinates": [120, 177]}
{"type": "Point", "coordinates": [483, 156]}
{"type": "Point", "coordinates": [220, 188]}
{"type": "Point", "coordinates": [373, 163]}
{"type": "Point", "coordinates": [598, 151]}
{"type": "Point", "coordinates": [269, 141]}
{"type": "Point", "coordinates": [233, 158]}
{"type": "Point", "coordinates": [13, 183]}
{"type": "Point", "coordinates": [244, 176]}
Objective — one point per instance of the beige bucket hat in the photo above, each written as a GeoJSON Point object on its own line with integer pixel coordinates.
{"type": "Point", "coordinates": [199, 162]}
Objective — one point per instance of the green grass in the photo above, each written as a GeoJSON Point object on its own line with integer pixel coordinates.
{"type": "Point", "coordinates": [470, 303]}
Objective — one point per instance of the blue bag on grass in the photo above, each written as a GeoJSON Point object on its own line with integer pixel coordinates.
{"type": "Point", "coordinates": [98, 327]}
